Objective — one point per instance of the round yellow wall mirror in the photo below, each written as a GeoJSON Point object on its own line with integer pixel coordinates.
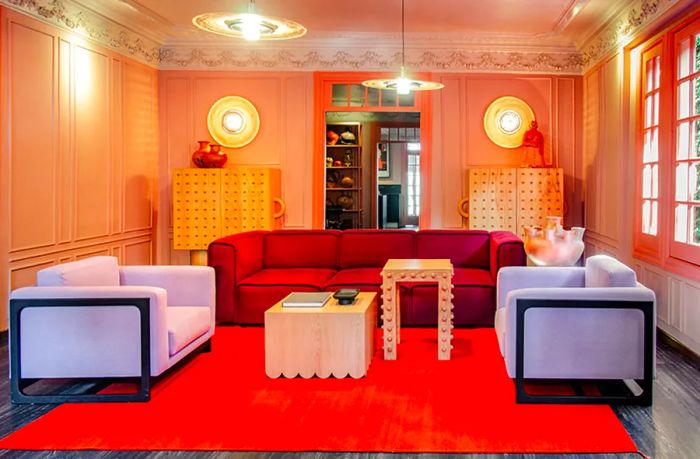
{"type": "Point", "coordinates": [233, 121]}
{"type": "Point", "coordinates": [506, 119]}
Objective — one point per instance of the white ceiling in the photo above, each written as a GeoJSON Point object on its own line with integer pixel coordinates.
{"type": "Point", "coordinates": [545, 23]}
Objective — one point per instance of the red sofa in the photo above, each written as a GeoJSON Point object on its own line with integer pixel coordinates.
{"type": "Point", "coordinates": [254, 270]}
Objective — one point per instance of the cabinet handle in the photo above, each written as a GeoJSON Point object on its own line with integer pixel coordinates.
{"type": "Point", "coordinates": [460, 207]}
{"type": "Point", "coordinates": [283, 207]}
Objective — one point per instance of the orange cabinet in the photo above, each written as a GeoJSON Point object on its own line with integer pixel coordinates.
{"type": "Point", "coordinates": [211, 203]}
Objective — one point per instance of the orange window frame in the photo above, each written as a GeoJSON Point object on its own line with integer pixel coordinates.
{"type": "Point", "coordinates": [652, 146]}
{"type": "Point", "coordinates": [687, 250]}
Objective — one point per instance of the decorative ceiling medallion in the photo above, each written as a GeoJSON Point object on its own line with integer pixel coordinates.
{"type": "Point", "coordinates": [233, 121]}
{"type": "Point", "coordinates": [506, 119]}
{"type": "Point", "coordinates": [232, 25]}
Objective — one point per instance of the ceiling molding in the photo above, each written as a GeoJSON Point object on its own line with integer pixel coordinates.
{"type": "Point", "coordinates": [623, 28]}
{"type": "Point", "coordinates": [545, 53]}
{"type": "Point", "coordinates": [77, 19]}
{"type": "Point", "coordinates": [445, 60]}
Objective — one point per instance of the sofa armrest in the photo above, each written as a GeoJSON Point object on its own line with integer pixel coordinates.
{"type": "Point", "coordinates": [234, 258]}
{"type": "Point", "coordinates": [157, 306]}
{"type": "Point", "coordinates": [506, 249]}
{"type": "Point", "coordinates": [519, 277]}
{"type": "Point", "coordinates": [605, 317]}
{"type": "Point", "coordinates": [186, 285]}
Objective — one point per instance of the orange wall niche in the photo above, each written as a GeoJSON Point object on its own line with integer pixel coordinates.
{"type": "Point", "coordinates": [285, 104]}
{"type": "Point", "coordinates": [78, 164]}
{"type": "Point", "coordinates": [460, 142]}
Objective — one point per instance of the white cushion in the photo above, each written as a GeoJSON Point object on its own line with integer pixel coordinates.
{"type": "Point", "coordinates": [89, 272]}
{"type": "Point", "coordinates": [186, 324]}
{"type": "Point", "coordinates": [604, 271]}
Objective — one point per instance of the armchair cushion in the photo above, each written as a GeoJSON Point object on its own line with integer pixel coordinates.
{"type": "Point", "coordinates": [605, 271]}
{"type": "Point", "coordinates": [186, 324]}
{"type": "Point", "coordinates": [93, 271]}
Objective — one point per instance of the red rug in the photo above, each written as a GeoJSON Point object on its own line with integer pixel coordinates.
{"type": "Point", "coordinates": [224, 401]}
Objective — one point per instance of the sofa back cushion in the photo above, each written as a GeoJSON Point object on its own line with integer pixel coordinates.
{"type": "Point", "coordinates": [465, 248]}
{"type": "Point", "coordinates": [372, 248]}
{"type": "Point", "coordinates": [605, 271]}
{"type": "Point", "coordinates": [301, 249]}
{"type": "Point", "coordinates": [89, 272]}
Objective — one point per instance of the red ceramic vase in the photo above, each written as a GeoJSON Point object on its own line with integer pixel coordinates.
{"type": "Point", "coordinates": [215, 158]}
{"type": "Point", "coordinates": [198, 156]}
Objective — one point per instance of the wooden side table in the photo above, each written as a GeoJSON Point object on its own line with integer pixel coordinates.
{"type": "Point", "coordinates": [417, 270]}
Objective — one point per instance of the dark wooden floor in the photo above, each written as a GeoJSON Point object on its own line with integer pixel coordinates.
{"type": "Point", "coordinates": [669, 429]}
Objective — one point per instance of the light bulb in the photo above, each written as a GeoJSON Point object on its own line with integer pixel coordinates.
{"type": "Point", "coordinates": [403, 85]}
{"type": "Point", "coordinates": [250, 27]}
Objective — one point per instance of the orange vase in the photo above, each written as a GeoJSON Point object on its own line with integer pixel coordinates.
{"type": "Point", "coordinates": [198, 156]}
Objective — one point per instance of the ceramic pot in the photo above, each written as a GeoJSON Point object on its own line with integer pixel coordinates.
{"type": "Point", "coordinates": [348, 138]}
{"type": "Point", "coordinates": [215, 158]}
{"type": "Point", "coordinates": [200, 153]}
{"type": "Point", "coordinates": [346, 182]}
{"type": "Point", "coordinates": [345, 201]}
{"type": "Point", "coordinates": [332, 137]}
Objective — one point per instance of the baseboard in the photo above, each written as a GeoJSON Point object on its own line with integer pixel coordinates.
{"type": "Point", "coordinates": [677, 345]}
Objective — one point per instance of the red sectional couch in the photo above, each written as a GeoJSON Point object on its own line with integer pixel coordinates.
{"type": "Point", "coordinates": [254, 270]}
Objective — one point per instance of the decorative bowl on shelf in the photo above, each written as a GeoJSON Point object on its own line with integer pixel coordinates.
{"type": "Point", "coordinates": [553, 245]}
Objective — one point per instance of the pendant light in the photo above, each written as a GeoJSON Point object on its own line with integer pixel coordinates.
{"type": "Point", "coordinates": [249, 26]}
{"type": "Point", "coordinates": [402, 84]}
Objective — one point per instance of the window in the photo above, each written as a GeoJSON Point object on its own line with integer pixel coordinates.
{"type": "Point", "coordinates": [413, 178]}
{"type": "Point", "coordinates": [651, 92]}
{"type": "Point", "coordinates": [685, 239]}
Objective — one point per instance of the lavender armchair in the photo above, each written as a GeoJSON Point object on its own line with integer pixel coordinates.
{"type": "Point", "coordinates": [589, 323]}
{"type": "Point", "coordinates": [94, 319]}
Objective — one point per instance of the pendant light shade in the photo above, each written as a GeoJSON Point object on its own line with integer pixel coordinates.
{"type": "Point", "coordinates": [249, 26]}
{"type": "Point", "coordinates": [403, 84]}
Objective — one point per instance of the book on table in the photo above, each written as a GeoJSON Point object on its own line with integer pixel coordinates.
{"type": "Point", "coordinates": [306, 300]}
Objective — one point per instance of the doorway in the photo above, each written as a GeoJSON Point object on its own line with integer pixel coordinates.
{"type": "Point", "coordinates": [372, 170]}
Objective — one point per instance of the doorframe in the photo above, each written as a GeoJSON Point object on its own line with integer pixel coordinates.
{"type": "Point", "coordinates": [323, 82]}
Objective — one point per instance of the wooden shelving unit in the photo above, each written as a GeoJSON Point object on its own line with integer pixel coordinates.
{"type": "Point", "coordinates": [344, 177]}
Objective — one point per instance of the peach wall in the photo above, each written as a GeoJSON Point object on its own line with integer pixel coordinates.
{"type": "Point", "coordinates": [78, 155]}
{"type": "Point", "coordinates": [285, 104]}
{"type": "Point", "coordinates": [459, 140]}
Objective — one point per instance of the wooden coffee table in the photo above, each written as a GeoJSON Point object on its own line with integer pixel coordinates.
{"type": "Point", "coordinates": [332, 340]}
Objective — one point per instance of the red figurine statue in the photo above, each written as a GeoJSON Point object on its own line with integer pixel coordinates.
{"type": "Point", "coordinates": [533, 147]}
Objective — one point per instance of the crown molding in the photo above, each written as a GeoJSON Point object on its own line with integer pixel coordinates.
{"type": "Point", "coordinates": [443, 60]}
{"type": "Point", "coordinates": [623, 28]}
{"type": "Point", "coordinates": [75, 18]}
{"type": "Point", "coordinates": [544, 53]}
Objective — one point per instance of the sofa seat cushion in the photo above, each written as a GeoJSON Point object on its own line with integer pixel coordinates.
{"type": "Point", "coordinates": [259, 292]}
{"type": "Point", "coordinates": [474, 301]}
{"type": "Point", "coordinates": [306, 277]}
{"type": "Point", "coordinates": [356, 277]}
{"type": "Point", "coordinates": [186, 324]}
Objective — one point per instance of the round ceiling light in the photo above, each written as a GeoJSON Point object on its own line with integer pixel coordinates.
{"type": "Point", "coordinates": [250, 26]}
{"type": "Point", "coordinates": [506, 119]}
{"type": "Point", "coordinates": [233, 121]}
